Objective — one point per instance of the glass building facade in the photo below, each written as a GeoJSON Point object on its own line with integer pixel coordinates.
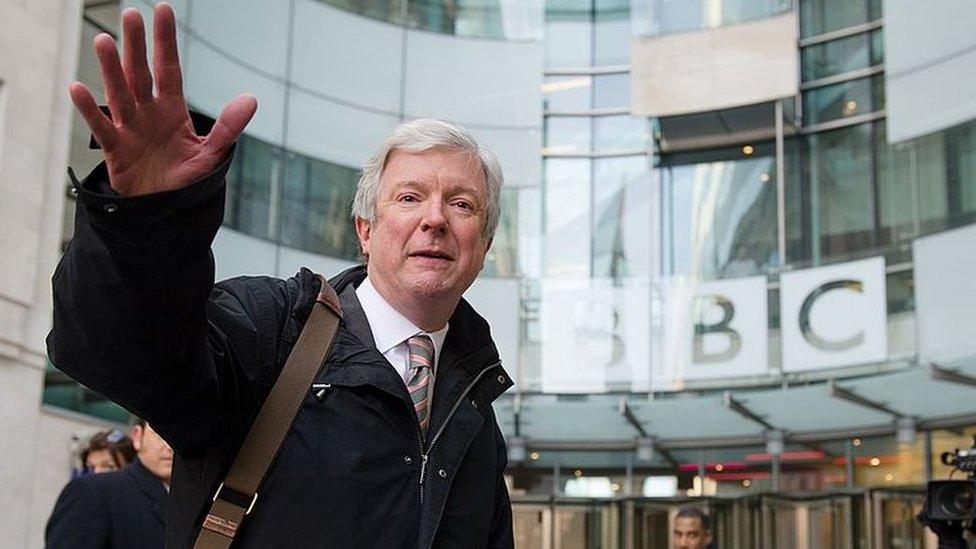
{"type": "Point", "coordinates": [603, 202]}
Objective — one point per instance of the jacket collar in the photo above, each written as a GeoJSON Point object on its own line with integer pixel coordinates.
{"type": "Point", "coordinates": [151, 486]}
{"type": "Point", "coordinates": [468, 343]}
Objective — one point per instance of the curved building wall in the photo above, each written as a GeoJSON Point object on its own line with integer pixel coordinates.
{"type": "Point", "coordinates": [607, 244]}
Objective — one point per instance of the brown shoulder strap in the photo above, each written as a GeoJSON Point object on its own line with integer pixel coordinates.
{"type": "Point", "coordinates": [236, 495]}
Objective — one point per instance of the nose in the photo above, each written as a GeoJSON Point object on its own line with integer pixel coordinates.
{"type": "Point", "coordinates": [434, 219]}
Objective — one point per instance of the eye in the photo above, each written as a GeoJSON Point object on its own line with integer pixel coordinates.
{"type": "Point", "coordinates": [464, 204]}
{"type": "Point", "coordinates": [407, 198]}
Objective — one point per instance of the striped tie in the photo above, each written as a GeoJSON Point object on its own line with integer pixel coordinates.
{"type": "Point", "coordinates": [421, 374]}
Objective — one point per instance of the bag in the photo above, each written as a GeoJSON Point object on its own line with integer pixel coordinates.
{"type": "Point", "coordinates": [237, 494]}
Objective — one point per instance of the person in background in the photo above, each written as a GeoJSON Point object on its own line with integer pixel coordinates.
{"type": "Point", "coordinates": [107, 451]}
{"type": "Point", "coordinates": [692, 529]}
{"type": "Point", "coordinates": [118, 509]}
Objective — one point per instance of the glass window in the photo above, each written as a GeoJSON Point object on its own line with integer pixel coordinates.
{"type": "Point", "coordinates": [568, 93]}
{"type": "Point", "coordinates": [611, 34]}
{"type": "Point", "coordinates": [621, 132]}
{"type": "Point", "coordinates": [621, 217]}
{"type": "Point", "coordinates": [568, 134]}
{"type": "Point", "coordinates": [843, 100]}
{"type": "Point", "coordinates": [249, 188]}
{"type": "Point", "coordinates": [877, 47]}
{"type": "Point", "coordinates": [502, 257]}
{"type": "Point", "coordinates": [669, 16]}
{"type": "Point", "coordinates": [820, 16]}
{"type": "Point", "coordinates": [611, 91]}
{"type": "Point", "coordinates": [836, 194]}
{"type": "Point", "coordinates": [567, 217]}
{"type": "Point", "coordinates": [569, 41]}
{"type": "Point", "coordinates": [836, 57]}
{"type": "Point", "coordinates": [721, 217]}
{"type": "Point", "coordinates": [895, 188]}
{"type": "Point", "coordinates": [316, 200]}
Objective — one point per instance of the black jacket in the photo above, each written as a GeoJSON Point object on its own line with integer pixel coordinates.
{"type": "Point", "coordinates": [123, 510]}
{"type": "Point", "coordinates": [138, 318]}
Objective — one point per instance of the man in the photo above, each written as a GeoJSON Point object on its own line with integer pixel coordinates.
{"type": "Point", "coordinates": [398, 445]}
{"type": "Point", "coordinates": [118, 509]}
{"type": "Point", "coordinates": [692, 529]}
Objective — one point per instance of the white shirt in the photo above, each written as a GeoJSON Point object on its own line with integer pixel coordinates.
{"type": "Point", "coordinates": [391, 330]}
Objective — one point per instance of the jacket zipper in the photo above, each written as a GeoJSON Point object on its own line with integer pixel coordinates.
{"type": "Point", "coordinates": [425, 454]}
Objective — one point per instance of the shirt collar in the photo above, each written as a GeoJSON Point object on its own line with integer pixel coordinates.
{"type": "Point", "coordinates": [389, 327]}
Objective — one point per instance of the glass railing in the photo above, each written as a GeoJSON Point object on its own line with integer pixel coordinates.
{"type": "Point", "coordinates": [660, 17]}
{"type": "Point", "coordinates": [495, 19]}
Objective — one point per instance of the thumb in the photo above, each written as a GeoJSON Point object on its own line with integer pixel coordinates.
{"type": "Point", "coordinates": [231, 123]}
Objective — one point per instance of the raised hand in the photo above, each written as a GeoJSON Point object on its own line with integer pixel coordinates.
{"type": "Point", "coordinates": [149, 141]}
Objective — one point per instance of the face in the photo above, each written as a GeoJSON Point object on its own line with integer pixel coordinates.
{"type": "Point", "coordinates": [688, 534]}
{"type": "Point", "coordinates": [426, 243]}
{"type": "Point", "coordinates": [100, 461]}
{"type": "Point", "coordinates": [153, 452]}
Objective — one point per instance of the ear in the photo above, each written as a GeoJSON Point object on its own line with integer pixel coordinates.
{"type": "Point", "coordinates": [136, 435]}
{"type": "Point", "coordinates": [363, 229]}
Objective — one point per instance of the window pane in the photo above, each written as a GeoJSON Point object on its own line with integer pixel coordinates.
{"type": "Point", "coordinates": [620, 133]}
{"type": "Point", "coordinates": [567, 217]}
{"type": "Point", "coordinates": [316, 200]}
{"type": "Point", "coordinates": [567, 93]}
{"type": "Point", "coordinates": [722, 215]}
{"type": "Point", "coordinates": [611, 42]}
{"type": "Point", "coordinates": [569, 41]}
{"type": "Point", "coordinates": [502, 258]}
{"type": "Point", "coordinates": [568, 134]}
{"type": "Point", "coordinates": [877, 47]}
{"type": "Point", "coordinates": [249, 196]}
{"type": "Point", "coordinates": [820, 16]}
{"type": "Point", "coordinates": [843, 100]}
{"type": "Point", "coordinates": [895, 188]}
{"type": "Point", "coordinates": [836, 57]}
{"type": "Point", "coordinates": [621, 217]}
{"type": "Point", "coordinates": [611, 91]}
{"type": "Point", "coordinates": [837, 194]}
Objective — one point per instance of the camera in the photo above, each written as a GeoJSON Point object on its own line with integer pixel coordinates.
{"type": "Point", "coordinates": [954, 500]}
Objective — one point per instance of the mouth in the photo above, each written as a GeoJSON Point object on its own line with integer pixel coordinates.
{"type": "Point", "coordinates": [432, 254]}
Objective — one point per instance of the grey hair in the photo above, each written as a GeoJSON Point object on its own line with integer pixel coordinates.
{"type": "Point", "coordinates": [418, 136]}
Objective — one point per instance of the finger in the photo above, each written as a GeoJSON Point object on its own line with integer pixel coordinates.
{"type": "Point", "coordinates": [134, 62]}
{"type": "Point", "coordinates": [101, 127]}
{"type": "Point", "coordinates": [166, 57]}
{"type": "Point", "coordinates": [231, 123]}
{"type": "Point", "coordinates": [116, 90]}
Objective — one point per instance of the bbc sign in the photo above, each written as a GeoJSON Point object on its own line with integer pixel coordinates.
{"type": "Point", "coordinates": [597, 335]}
{"type": "Point", "coordinates": [829, 317]}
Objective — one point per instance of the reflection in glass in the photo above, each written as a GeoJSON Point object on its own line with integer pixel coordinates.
{"type": "Point", "coordinates": [611, 91]}
{"type": "Point", "coordinates": [836, 194]}
{"type": "Point", "coordinates": [316, 200]}
{"type": "Point", "coordinates": [567, 217]}
{"type": "Point", "coordinates": [502, 258]}
{"type": "Point", "coordinates": [477, 18]}
{"type": "Point", "coordinates": [611, 33]}
{"type": "Point", "coordinates": [248, 199]}
{"type": "Point", "coordinates": [567, 93]}
{"type": "Point", "coordinates": [658, 17]}
{"type": "Point", "coordinates": [566, 134]}
{"type": "Point", "coordinates": [851, 98]}
{"type": "Point", "coordinates": [721, 214]}
{"type": "Point", "coordinates": [621, 217]}
{"type": "Point", "coordinates": [623, 132]}
{"type": "Point", "coordinates": [836, 57]}
{"type": "Point", "coordinates": [820, 16]}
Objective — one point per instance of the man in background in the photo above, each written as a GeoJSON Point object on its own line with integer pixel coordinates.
{"type": "Point", "coordinates": [119, 509]}
{"type": "Point", "coordinates": [692, 529]}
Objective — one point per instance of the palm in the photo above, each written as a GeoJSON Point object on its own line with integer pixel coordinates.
{"type": "Point", "coordinates": [149, 142]}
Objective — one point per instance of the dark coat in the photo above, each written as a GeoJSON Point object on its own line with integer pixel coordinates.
{"type": "Point", "coordinates": [138, 318]}
{"type": "Point", "coordinates": [123, 510]}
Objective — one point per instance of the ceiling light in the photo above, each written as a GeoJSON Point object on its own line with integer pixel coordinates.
{"type": "Point", "coordinates": [875, 462]}
{"type": "Point", "coordinates": [748, 150]}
